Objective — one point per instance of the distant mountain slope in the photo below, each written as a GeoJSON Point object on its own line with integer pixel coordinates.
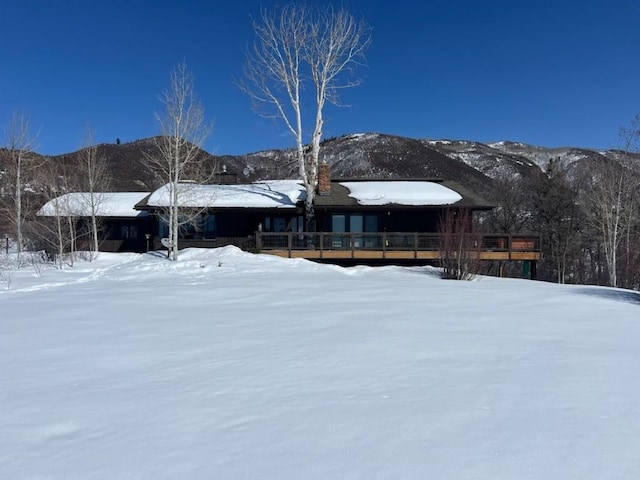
{"type": "Point", "coordinates": [372, 155]}
{"type": "Point", "coordinates": [365, 155]}
{"type": "Point", "coordinates": [126, 162]}
{"type": "Point", "coordinates": [493, 162]}
{"type": "Point", "coordinates": [541, 156]}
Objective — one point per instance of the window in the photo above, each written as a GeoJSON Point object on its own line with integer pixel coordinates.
{"type": "Point", "coordinates": [371, 223]}
{"type": "Point", "coordinates": [163, 228]}
{"type": "Point", "coordinates": [210, 229]}
{"type": "Point", "coordinates": [201, 227]}
{"type": "Point", "coordinates": [338, 225]}
{"type": "Point", "coordinates": [354, 223]}
{"type": "Point", "coordinates": [279, 224]}
{"type": "Point", "coordinates": [297, 224]}
{"type": "Point", "coordinates": [283, 224]}
{"type": "Point", "coordinates": [128, 231]}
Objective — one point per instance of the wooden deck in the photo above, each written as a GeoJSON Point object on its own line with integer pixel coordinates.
{"type": "Point", "coordinates": [390, 246]}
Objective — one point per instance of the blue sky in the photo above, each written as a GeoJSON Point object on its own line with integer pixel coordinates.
{"type": "Point", "coordinates": [550, 73]}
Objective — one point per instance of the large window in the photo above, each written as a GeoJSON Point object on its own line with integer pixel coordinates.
{"type": "Point", "coordinates": [201, 227]}
{"type": "Point", "coordinates": [276, 223]}
{"type": "Point", "coordinates": [354, 223]}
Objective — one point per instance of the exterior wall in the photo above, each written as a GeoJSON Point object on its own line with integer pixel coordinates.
{"type": "Point", "coordinates": [116, 234]}
{"type": "Point", "coordinates": [126, 235]}
{"type": "Point", "coordinates": [411, 221]}
{"type": "Point", "coordinates": [236, 224]}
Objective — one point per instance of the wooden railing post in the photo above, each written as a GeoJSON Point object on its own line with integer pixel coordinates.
{"type": "Point", "coordinates": [352, 242]}
{"type": "Point", "coordinates": [290, 241]}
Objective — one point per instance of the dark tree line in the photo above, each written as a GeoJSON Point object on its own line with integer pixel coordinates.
{"type": "Point", "coordinates": [587, 213]}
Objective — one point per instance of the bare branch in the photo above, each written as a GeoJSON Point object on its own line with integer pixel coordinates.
{"type": "Point", "coordinates": [179, 157]}
{"type": "Point", "coordinates": [20, 144]}
{"type": "Point", "coordinates": [95, 180]}
{"type": "Point", "coordinates": [300, 46]}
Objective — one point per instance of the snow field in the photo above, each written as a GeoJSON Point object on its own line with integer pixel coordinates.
{"type": "Point", "coordinates": [229, 365]}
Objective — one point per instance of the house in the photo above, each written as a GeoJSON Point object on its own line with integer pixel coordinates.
{"type": "Point", "coordinates": [227, 212]}
{"type": "Point", "coordinates": [123, 229]}
{"type": "Point", "coordinates": [356, 220]}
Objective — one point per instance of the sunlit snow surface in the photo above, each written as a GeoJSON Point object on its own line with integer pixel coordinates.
{"type": "Point", "coordinates": [227, 365]}
{"type": "Point", "coordinates": [106, 204]}
{"type": "Point", "coordinates": [264, 194]}
{"type": "Point", "coordinates": [401, 193]}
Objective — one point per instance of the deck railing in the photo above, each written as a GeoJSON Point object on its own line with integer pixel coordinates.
{"type": "Point", "coordinates": [377, 241]}
{"type": "Point", "coordinates": [295, 242]}
{"type": "Point", "coordinates": [371, 246]}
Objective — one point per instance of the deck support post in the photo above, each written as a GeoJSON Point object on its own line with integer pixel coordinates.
{"type": "Point", "coordinates": [534, 270]}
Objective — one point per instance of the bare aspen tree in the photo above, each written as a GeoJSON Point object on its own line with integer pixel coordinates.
{"type": "Point", "coordinates": [18, 159]}
{"type": "Point", "coordinates": [302, 46]}
{"type": "Point", "coordinates": [94, 180]}
{"type": "Point", "coordinates": [628, 275]}
{"type": "Point", "coordinates": [612, 204]}
{"type": "Point", "coordinates": [178, 156]}
{"type": "Point", "coordinates": [56, 220]}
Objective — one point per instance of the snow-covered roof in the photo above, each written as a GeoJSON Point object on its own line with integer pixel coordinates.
{"type": "Point", "coordinates": [401, 193]}
{"type": "Point", "coordinates": [265, 194]}
{"type": "Point", "coordinates": [109, 204]}
{"type": "Point", "coordinates": [287, 193]}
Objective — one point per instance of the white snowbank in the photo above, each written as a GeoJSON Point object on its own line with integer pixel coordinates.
{"type": "Point", "coordinates": [226, 365]}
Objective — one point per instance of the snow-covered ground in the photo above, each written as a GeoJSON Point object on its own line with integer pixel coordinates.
{"type": "Point", "coordinates": [227, 365]}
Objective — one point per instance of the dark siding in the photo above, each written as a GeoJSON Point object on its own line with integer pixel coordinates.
{"type": "Point", "coordinates": [126, 235]}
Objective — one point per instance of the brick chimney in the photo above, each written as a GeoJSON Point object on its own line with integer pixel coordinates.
{"type": "Point", "coordinates": [324, 179]}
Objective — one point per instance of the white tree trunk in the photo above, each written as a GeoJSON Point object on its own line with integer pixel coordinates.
{"type": "Point", "coordinates": [19, 216]}
{"type": "Point", "coordinates": [19, 145]}
{"type": "Point", "coordinates": [179, 156]}
{"type": "Point", "coordinates": [302, 42]}
{"type": "Point", "coordinates": [60, 240]}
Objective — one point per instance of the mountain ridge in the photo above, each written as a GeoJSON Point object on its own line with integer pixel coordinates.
{"type": "Point", "coordinates": [372, 155]}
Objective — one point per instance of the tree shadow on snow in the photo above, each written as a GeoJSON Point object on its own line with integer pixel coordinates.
{"type": "Point", "coordinates": [628, 296]}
